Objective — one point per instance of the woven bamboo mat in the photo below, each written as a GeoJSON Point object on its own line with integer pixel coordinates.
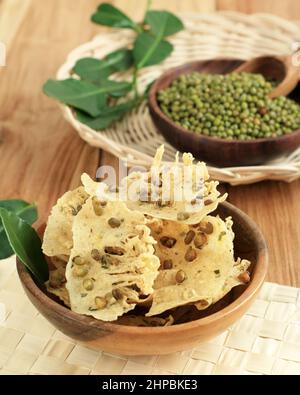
{"type": "Point", "coordinates": [265, 341]}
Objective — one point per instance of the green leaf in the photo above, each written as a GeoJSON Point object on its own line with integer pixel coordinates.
{"type": "Point", "coordinates": [149, 50]}
{"type": "Point", "coordinates": [99, 123]}
{"type": "Point", "coordinates": [79, 94]}
{"type": "Point", "coordinates": [108, 15]}
{"type": "Point", "coordinates": [117, 88]}
{"type": "Point", "coordinates": [22, 209]}
{"type": "Point", "coordinates": [28, 214]}
{"type": "Point", "coordinates": [111, 115]}
{"type": "Point", "coordinates": [26, 244]}
{"type": "Point", "coordinates": [6, 250]}
{"type": "Point", "coordinates": [84, 95]}
{"type": "Point", "coordinates": [163, 23]}
{"type": "Point", "coordinates": [13, 204]}
{"type": "Point", "coordinates": [92, 70]}
{"type": "Point", "coordinates": [95, 70]}
{"type": "Point", "coordinates": [120, 60]}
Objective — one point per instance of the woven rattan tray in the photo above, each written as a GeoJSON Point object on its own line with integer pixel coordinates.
{"type": "Point", "coordinates": [207, 36]}
{"type": "Point", "coordinates": [266, 340]}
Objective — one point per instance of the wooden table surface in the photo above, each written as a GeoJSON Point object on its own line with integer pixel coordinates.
{"type": "Point", "coordinates": [41, 156]}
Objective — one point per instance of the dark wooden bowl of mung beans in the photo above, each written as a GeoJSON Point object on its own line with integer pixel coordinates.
{"type": "Point", "coordinates": [269, 138]}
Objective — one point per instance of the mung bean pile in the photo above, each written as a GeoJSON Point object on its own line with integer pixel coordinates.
{"type": "Point", "coordinates": [232, 106]}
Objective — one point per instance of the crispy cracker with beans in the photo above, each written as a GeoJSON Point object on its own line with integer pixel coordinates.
{"type": "Point", "coordinates": [135, 262]}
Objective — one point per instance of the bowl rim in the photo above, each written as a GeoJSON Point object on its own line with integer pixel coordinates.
{"type": "Point", "coordinates": [255, 284]}
{"type": "Point", "coordinates": [154, 106]}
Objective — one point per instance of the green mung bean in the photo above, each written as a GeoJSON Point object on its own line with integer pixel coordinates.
{"type": "Point", "coordinates": [232, 106]}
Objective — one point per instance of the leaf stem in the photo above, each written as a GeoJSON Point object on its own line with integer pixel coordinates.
{"type": "Point", "coordinates": [134, 83]}
{"type": "Point", "coordinates": [138, 29]}
{"type": "Point", "coordinates": [149, 4]}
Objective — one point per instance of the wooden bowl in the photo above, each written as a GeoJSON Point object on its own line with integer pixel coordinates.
{"type": "Point", "coordinates": [213, 150]}
{"type": "Point", "coordinates": [120, 339]}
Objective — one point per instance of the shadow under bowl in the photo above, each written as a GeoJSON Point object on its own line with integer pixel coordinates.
{"type": "Point", "coordinates": [213, 150]}
{"type": "Point", "coordinates": [129, 340]}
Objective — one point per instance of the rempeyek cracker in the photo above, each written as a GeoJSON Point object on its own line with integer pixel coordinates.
{"type": "Point", "coordinates": [178, 191]}
{"type": "Point", "coordinates": [238, 275]}
{"type": "Point", "coordinates": [112, 265]}
{"type": "Point", "coordinates": [160, 248]}
{"type": "Point", "coordinates": [61, 292]}
{"type": "Point", "coordinates": [197, 263]}
{"type": "Point", "coordinates": [58, 234]}
{"type": "Point", "coordinates": [57, 280]}
{"type": "Point", "coordinates": [99, 189]}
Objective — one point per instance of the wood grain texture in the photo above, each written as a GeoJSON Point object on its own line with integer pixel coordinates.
{"type": "Point", "coordinates": [41, 156]}
{"type": "Point", "coordinates": [136, 8]}
{"type": "Point", "coordinates": [285, 8]}
{"type": "Point", "coordinates": [12, 13]}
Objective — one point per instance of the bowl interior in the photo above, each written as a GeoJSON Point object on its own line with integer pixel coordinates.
{"type": "Point", "coordinates": [248, 244]}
